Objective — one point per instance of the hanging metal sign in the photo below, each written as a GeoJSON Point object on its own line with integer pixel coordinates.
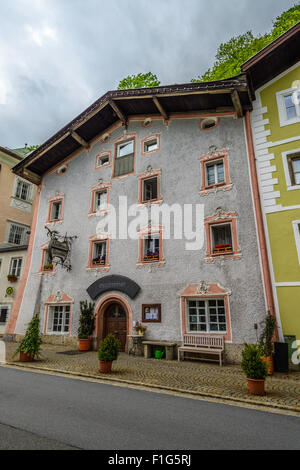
{"type": "Point", "coordinates": [60, 247]}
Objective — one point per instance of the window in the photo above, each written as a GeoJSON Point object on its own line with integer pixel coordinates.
{"type": "Point", "coordinates": [47, 263]}
{"type": "Point", "coordinates": [23, 190]}
{"type": "Point", "coordinates": [221, 238]}
{"type": "Point", "coordinates": [294, 169]}
{"type": "Point", "coordinates": [207, 316]}
{"type": "Point", "coordinates": [208, 123]}
{"type": "Point", "coordinates": [150, 189]}
{"type": "Point", "coordinates": [215, 173]}
{"type": "Point", "coordinates": [17, 234]}
{"type": "Point", "coordinates": [100, 200]}
{"type": "Point", "coordinates": [150, 186]}
{"type": "Point", "coordinates": [124, 158]}
{"type": "Point", "coordinates": [151, 313]}
{"type": "Point", "coordinates": [151, 248]}
{"type": "Point", "coordinates": [4, 310]}
{"type": "Point", "coordinates": [99, 253]}
{"type": "Point", "coordinates": [288, 102]}
{"type": "Point", "coordinates": [15, 266]}
{"type": "Point", "coordinates": [59, 319]}
{"type": "Point", "coordinates": [103, 160]}
{"type": "Point", "coordinates": [56, 210]}
{"type": "Point", "coordinates": [151, 145]}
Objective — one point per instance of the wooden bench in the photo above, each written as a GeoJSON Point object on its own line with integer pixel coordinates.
{"type": "Point", "coordinates": [212, 345]}
{"type": "Point", "coordinates": [169, 348]}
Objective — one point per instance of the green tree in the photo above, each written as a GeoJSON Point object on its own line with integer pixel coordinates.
{"type": "Point", "coordinates": [233, 53]}
{"type": "Point", "coordinates": [141, 80]}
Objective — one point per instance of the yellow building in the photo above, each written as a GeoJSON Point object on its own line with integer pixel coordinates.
{"type": "Point", "coordinates": [275, 120]}
{"type": "Point", "coordinates": [16, 202]}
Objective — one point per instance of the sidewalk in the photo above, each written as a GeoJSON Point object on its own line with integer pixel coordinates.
{"type": "Point", "coordinates": [192, 377]}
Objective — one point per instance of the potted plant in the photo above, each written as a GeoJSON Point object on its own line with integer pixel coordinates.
{"type": "Point", "coordinates": [254, 368]}
{"type": "Point", "coordinates": [29, 348]}
{"type": "Point", "coordinates": [266, 344]}
{"type": "Point", "coordinates": [86, 325]}
{"type": "Point", "coordinates": [12, 278]}
{"type": "Point", "coordinates": [140, 329]}
{"type": "Point", "coordinates": [108, 352]}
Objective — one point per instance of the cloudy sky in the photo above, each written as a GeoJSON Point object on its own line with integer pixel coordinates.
{"type": "Point", "coordinates": [58, 56]}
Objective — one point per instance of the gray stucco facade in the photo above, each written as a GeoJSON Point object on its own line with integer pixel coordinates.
{"type": "Point", "coordinates": [182, 143]}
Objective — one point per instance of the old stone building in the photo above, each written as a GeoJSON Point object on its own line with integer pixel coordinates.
{"type": "Point", "coordinates": [181, 145]}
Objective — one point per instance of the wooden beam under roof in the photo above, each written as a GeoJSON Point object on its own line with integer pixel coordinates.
{"type": "Point", "coordinates": [118, 112]}
{"type": "Point", "coordinates": [160, 108]}
{"type": "Point", "coordinates": [237, 103]}
{"type": "Point", "coordinates": [31, 176]}
{"type": "Point", "coordinates": [79, 139]}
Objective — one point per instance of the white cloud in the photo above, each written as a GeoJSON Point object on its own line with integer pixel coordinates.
{"type": "Point", "coordinates": [58, 56]}
{"type": "Point", "coordinates": [39, 36]}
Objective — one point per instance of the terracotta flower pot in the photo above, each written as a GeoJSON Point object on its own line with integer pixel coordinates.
{"type": "Point", "coordinates": [25, 357]}
{"type": "Point", "coordinates": [256, 387]}
{"type": "Point", "coordinates": [269, 362]}
{"type": "Point", "coordinates": [84, 344]}
{"type": "Point", "coordinates": [105, 367]}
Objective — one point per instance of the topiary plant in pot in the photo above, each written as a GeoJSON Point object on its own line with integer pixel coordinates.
{"type": "Point", "coordinates": [254, 368]}
{"type": "Point", "coordinates": [108, 352]}
{"type": "Point", "coordinates": [266, 343]}
{"type": "Point", "coordinates": [30, 346]}
{"type": "Point", "coordinates": [86, 325]}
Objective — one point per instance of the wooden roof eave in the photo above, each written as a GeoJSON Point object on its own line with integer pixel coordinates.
{"type": "Point", "coordinates": [110, 100]}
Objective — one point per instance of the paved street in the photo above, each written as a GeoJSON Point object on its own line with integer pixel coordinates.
{"type": "Point", "coordinates": [206, 379]}
{"type": "Point", "coordinates": [47, 411]}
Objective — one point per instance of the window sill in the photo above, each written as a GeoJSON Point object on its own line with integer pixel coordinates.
{"type": "Point", "coordinates": [151, 201]}
{"type": "Point", "coordinates": [98, 267]}
{"type": "Point", "coordinates": [213, 189]}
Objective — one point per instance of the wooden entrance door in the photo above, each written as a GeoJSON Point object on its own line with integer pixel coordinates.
{"type": "Point", "coordinates": [116, 323]}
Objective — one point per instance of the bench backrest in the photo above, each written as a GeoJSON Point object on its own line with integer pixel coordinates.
{"type": "Point", "coordinates": [204, 341]}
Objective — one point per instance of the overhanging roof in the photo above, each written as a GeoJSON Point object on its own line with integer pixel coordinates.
{"type": "Point", "coordinates": [274, 59]}
{"type": "Point", "coordinates": [229, 95]}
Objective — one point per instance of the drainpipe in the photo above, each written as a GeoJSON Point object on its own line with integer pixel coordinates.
{"type": "Point", "coordinates": [260, 224]}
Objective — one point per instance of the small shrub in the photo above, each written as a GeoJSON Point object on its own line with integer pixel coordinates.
{"type": "Point", "coordinates": [86, 320]}
{"type": "Point", "coordinates": [109, 349]}
{"type": "Point", "coordinates": [252, 364]}
{"type": "Point", "coordinates": [31, 343]}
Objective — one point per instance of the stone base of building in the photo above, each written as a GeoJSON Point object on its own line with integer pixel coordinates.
{"type": "Point", "coordinates": [233, 353]}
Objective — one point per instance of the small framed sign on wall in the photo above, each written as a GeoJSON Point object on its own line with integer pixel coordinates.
{"type": "Point", "coordinates": [151, 313]}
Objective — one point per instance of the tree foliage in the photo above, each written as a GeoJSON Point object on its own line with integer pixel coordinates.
{"type": "Point", "coordinates": [141, 80]}
{"type": "Point", "coordinates": [233, 53]}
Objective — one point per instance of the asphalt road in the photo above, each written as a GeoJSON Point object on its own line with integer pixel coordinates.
{"type": "Point", "coordinates": [40, 411]}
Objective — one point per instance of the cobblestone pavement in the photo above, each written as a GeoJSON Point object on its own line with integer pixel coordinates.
{"type": "Point", "coordinates": [200, 378]}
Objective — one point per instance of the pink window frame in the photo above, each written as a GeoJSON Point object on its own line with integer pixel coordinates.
{"type": "Point", "coordinates": [143, 177]}
{"type": "Point", "coordinates": [144, 233]}
{"type": "Point", "coordinates": [149, 138]}
{"type": "Point", "coordinates": [214, 292]}
{"type": "Point", "coordinates": [52, 200]}
{"type": "Point", "coordinates": [96, 239]}
{"type": "Point", "coordinates": [66, 301]}
{"type": "Point", "coordinates": [222, 218]}
{"type": "Point", "coordinates": [101, 187]}
{"type": "Point", "coordinates": [121, 140]}
{"type": "Point", "coordinates": [214, 158]}
{"type": "Point", "coordinates": [107, 165]}
{"type": "Point", "coordinates": [42, 271]}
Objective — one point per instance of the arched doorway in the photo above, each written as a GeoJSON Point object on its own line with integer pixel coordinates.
{"type": "Point", "coordinates": [105, 320]}
{"type": "Point", "coordinates": [115, 322]}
